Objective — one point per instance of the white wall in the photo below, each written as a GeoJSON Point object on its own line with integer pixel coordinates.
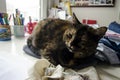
{"type": "Point", "coordinates": [104, 15]}
{"type": "Point", "coordinates": [2, 5]}
{"type": "Point", "coordinates": [45, 5]}
{"type": "Point", "coordinates": [118, 10]}
{"type": "Point", "coordinates": [43, 9]}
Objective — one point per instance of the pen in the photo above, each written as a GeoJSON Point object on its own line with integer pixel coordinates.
{"type": "Point", "coordinates": [9, 18]}
{"type": "Point", "coordinates": [6, 18]}
{"type": "Point", "coordinates": [30, 20]}
{"type": "Point", "coordinates": [1, 20]}
{"type": "Point", "coordinates": [14, 20]}
{"type": "Point", "coordinates": [18, 20]}
{"type": "Point", "coordinates": [22, 20]}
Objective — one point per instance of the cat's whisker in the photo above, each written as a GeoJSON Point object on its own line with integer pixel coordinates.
{"type": "Point", "coordinates": [71, 47]}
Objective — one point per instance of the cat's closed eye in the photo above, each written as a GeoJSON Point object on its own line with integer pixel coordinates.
{"type": "Point", "coordinates": [69, 36]}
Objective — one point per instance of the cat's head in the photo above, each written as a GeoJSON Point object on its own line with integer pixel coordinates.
{"type": "Point", "coordinates": [83, 40]}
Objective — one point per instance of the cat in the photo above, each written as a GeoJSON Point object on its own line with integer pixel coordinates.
{"type": "Point", "coordinates": [64, 42]}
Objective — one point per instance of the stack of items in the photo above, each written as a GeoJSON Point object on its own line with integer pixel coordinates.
{"type": "Point", "coordinates": [5, 32]}
{"type": "Point", "coordinates": [109, 45]}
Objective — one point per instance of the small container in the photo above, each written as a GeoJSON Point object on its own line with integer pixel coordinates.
{"type": "Point", "coordinates": [4, 34]}
{"type": "Point", "coordinates": [18, 30]}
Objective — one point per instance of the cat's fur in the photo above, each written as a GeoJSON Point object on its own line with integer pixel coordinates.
{"type": "Point", "coordinates": [63, 42]}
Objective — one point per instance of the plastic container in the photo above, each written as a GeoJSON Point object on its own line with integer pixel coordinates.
{"type": "Point", "coordinates": [19, 30]}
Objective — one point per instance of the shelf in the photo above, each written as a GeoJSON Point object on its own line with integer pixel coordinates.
{"type": "Point", "coordinates": [87, 3]}
{"type": "Point", "coordinates": [95, 6]}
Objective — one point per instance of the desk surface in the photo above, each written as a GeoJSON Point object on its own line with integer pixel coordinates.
{"type": "Point", "coordinates": [14, 63]}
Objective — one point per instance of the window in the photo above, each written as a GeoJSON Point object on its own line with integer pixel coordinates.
{"type": "Point", "coordinates": [26, 7]}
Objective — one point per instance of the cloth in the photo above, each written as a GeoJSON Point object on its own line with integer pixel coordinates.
{"type": "Point", "coordinates": [113, 35]}
{"type": "Point", "coordinates": [109, 54]}
{"type": "Point", "coordinates": [45, 72]}
{"type": "Point", "coordinates": [114, 26]}
{"type": "Point", "coordinates": [110, 43]}
{"type": "Point", "coordinates": [109, 46]}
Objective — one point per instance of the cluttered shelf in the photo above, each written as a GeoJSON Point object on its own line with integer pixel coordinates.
{"type": "Point", "coordinates": [92, 3]}
{"type": "Point", "coordinates": [92, 6]}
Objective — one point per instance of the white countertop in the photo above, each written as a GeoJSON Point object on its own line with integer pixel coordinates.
{"type": "Point", "coordinates": [14, 63]}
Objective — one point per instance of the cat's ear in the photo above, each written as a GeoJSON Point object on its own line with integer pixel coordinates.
{"type": "Point", "coordinates": [75, 19]}
{"type": "Point", "coordinates": [99, 32]}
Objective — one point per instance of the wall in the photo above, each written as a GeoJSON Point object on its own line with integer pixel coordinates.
{"type": "Point", "coordinates": [2, 5]}
{"type": "Point", "coordinates": [45, 6]}
{"type": "Point", "coordinates": [43, 9]}
{"type": "Point", "coordinates": [104, 15]}
{"type": "Point", "coordinates": [118, 11]}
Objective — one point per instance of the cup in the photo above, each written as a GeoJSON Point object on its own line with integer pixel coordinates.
{"type": "Point", "coordinates": [18, 30]}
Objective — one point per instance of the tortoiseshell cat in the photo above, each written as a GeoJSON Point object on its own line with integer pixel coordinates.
{"type": "Point", "coordinates": [63, 42]}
